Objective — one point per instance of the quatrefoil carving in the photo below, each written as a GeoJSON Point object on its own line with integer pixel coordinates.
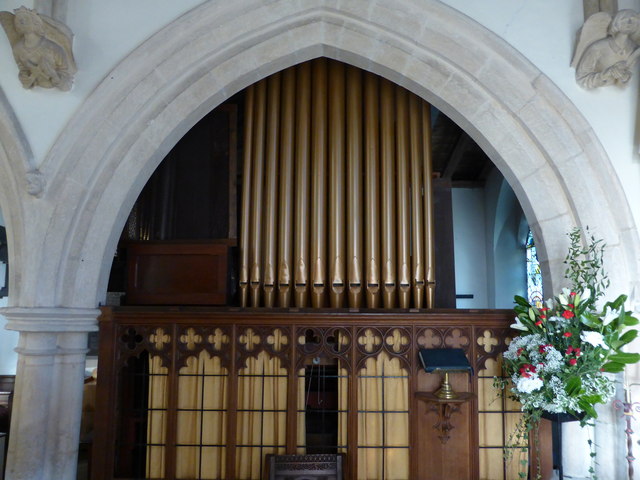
{"type": "Point", "coordinates": [278, 340]}
{"type": "Point", "coordinates": [159, 338]}
{"type": "Point", "coordinates": [430, 339]}
{"type": "Point", "coordinates": [369, 340]}
{"type": "Point", "coordinates": [338, 339]}
{"type": "Point", "coordinates": [218, 339]}
{"type": "Point", "coordinates": [488, 341]}
{"type": "Point", "coordinates": [397, 340]}
{"type": "Point", "coordinates": [249, 339]}
{"type": "Point", "coordinates": [456, 339]}
{"type": "Point", "coordinates": [310, 337]}
{"type": "Point", "coordinates": [191, 338]}
{"type": "Point", "coordinates": [131, 338]}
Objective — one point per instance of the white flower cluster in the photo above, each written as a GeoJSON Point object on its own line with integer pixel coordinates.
{"type": "Point", "coordinates": [554, 397]}
{"type": "Point", "coordinates": [528, 342]}
{"type": "Point", "coordinates": [528, 384]}
{"type": "Point", "coordinates": [553, 361]}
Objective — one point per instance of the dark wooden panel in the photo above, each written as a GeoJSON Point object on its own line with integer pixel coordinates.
{"type": "Point", "coordinates": [445, 295]}
{"type": "Point", "coordinates": [177, 273]}
{"type": "Point", "coordinates": [130, 333]}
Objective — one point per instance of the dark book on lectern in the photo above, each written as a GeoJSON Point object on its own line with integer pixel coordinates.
{"type": "Point", "coordinates": [451, 359]}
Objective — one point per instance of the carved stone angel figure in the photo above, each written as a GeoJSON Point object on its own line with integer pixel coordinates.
{"type": "Point", "coordinates": [41, 47]}
{"type": "Point", "coordinates": [607, 49]}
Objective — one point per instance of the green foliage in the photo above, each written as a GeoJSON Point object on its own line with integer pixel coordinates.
{"type": "Point", "coordinates": [585, 265]}
{"type": "Point", "coordinates": [556, 363]}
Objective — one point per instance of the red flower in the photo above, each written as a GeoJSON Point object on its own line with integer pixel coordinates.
{"type": "Point", "coordinates": [577, 352]}
{"type": "Point", "coordinates": [543, 316]}
{"type": "Point", "coordinates": [573, 361]}
{"type": "Point", "coordinates": [543, 348]}
{"type": "Point", "coordinates": [573, 294]}
{"type": "Point", "coordinates": [567, 334]}
{"type": "Point", "coordinates": [570, 305]}
{"type": "Point", "coordinates": [544, 309]}
{"type": "Point", "coordinates": [569, 350]}
{"type": "Point", "coordinates": [520, 350]}
{"type": "Point", "coordinates": [568, 314]}
{"type": "Point", "coordinates": [538, 323]}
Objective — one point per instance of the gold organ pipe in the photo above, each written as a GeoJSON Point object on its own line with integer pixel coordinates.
{"type": "Point", "coordinates": [303, 134]}
{"type": "Point", "coordinates": [271, 189]}
{"type": "Point", "coordinates": [337, 234]}
{"type": "Point", "coordinates": [372, 189]}
{"type": "Point", "coordinates": [428, 204]}
{"type": "Point", "coordinates": [355, 189]}
{"type": "Point", "coordinates": [257, 146]}
{"type": "Point", "coordinates": [285, 216]}
{"type": "Point", "coordinates": [245, 218]}
{"type": "Point", "coordinates": [403, 205]}
{"type": "Point", "coordinates": [387, 142]}
{"type": "Point", "coordinates": [417, 229]}
{"type": "Point", "coordinates": [319, 181]}
{"type": "Point", "coordinates": [306, 183]}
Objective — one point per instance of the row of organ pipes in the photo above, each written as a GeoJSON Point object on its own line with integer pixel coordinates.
{"type": "Point", "coordinates": [336, 192]}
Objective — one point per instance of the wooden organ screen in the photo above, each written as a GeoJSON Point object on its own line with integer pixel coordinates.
{"type": "Point", "coordinates": [336, 192]}
{"type": "Point", "coordinates": [179, 390]}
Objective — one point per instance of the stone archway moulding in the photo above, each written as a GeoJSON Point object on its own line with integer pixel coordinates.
{"type": "Point", "coordinates": [16, 161]}
{"type": "Point", "coordinates": [535, 136]}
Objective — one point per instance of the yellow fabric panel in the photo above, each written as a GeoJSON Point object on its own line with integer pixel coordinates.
{"type": "Point", "coordinates": [262, 388]}
{"type": "Point", "coordinates": [378, 393]}
{"type": "Point", "coordinates": [301, 438]}
{"type": "Point", "coordinates": [490, 430]}
{"type": "Point", "coordinates": [343, 405]}
{"type": "Point", "coordinates": [157, 420]}
{"type": "Point", "coordinates": [202, 385]}
{"type": "Point", "coordinates": [491, 464]}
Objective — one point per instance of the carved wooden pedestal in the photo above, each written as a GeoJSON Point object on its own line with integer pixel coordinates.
{"type": "Point", "coordinates": [444, 408]}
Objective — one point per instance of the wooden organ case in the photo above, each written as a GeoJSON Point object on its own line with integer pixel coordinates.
{"type": "Point", "coordinates": [218, 358]}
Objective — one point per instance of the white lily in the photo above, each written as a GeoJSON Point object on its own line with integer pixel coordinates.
{"type": "Point", "coordinates": [519, 325]}
{"type": "Point", "coordinates": [563, 296]}
{"type": "Point", "coordinates": [586, 294]}
{"type": "Point", "coordinates": [610, 315]}
{"type": "Point", "coordinates": [594, 338]}
{"type": "Point", "coordinates": [550, 304]}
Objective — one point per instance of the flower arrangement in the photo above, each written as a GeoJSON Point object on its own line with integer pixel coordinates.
{"type": "Point", "coordinates": [558, 362]}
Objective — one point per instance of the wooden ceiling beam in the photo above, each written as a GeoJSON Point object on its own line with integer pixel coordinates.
{"type": "Point", "coordinates": [456, 155]}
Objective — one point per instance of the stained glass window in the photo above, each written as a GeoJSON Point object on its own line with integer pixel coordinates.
{"type": "Point", "coordinates": [534, 277]}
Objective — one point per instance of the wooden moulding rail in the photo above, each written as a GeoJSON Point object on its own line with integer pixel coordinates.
{"type": "Point", "coordinates": [126, 332]}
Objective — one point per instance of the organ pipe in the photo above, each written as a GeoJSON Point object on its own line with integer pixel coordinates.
{"type": "Point", "coordinates": [336, 193]}
{"type": "Point", "coordinates": [372, 199]}
{"type": "Point", "coordinates": [428, 204]}
{"type": "Point", "coordinates": [355, 190]}
{"type": "Point", "coordinates": [257, 146]}
{"type": "Point", "coordinates": [271, 189]}
{"type": "Point", "coordinates": [402, 182]}
{"type": "Point", "coordinates": [318, 181]}
{"type": "Point", "coordinates": [246, 204]}
{"type": "Point", "coordinates": [302, 149]}
{"type": "Point", "coordinates": [285, 215]}
{"type": "Point", "coordinates": [336, 152]}
{"type": "Point", "coordinates": [387, 169]}
{"type": "Point", "coordinates": [417, 228]}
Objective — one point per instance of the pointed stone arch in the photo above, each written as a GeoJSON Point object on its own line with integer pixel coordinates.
{"type": "Point", "coordinates": [531, 131]}
{"type": "Point", "coordinates": [16, 161]}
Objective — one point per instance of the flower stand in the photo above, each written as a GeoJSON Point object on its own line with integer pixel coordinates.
{"type": "Point", "coordinates": [557, 419]}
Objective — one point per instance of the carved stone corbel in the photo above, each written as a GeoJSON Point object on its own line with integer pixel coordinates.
{"type": "Point", "coordinates": [42, 49]}
{"type": "Point", "coordinates": [607, 49]}
{"type": "Point", "coordinates": [36, 182]}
